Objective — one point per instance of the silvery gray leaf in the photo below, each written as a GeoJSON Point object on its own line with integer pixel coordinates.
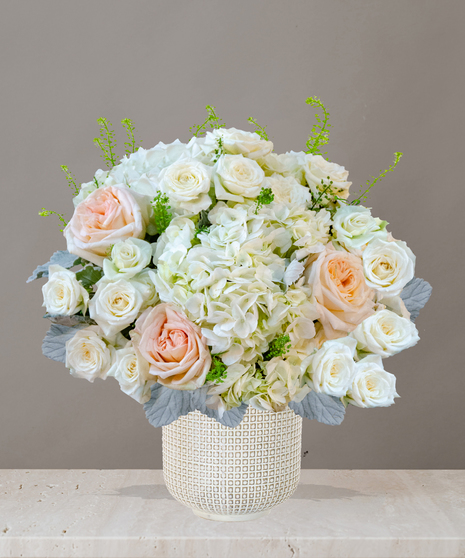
{"type": "Point", "coordinates": [167, 405]}
{"type": "Point", "coordinates": [62, 257]}
{"type": "Point", "coordinates": [320, 407]}
{"type": "Point", "coordinates": [415, 295]}
{"type": "Point", "coordinates": [70, 321]}
{"type": "Point", "coordinates": [54, 344]}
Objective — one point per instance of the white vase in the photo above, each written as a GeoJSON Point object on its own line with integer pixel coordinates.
{"type": "Point", "coordinates": [233, 474]}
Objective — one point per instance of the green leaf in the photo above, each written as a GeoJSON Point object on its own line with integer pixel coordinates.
{"type": "Point", "coordinates": [218, 371]}
{"type": "Point", "coordinates": [89, 276]}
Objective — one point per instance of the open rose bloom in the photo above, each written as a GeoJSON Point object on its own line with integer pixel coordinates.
{"type": "Point", "coordinates": [216, 274]}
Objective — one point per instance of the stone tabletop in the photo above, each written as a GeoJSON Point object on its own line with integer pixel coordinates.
{"type": "Point", "coordinates": [119, 513]}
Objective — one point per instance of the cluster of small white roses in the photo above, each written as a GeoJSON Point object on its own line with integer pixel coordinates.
{"type": "Point", "coordinates": [306, 265]}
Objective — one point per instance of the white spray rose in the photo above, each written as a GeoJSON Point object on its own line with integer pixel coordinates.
{"type": "Point", "coordinates": [128, 257]}
{"type": "Point", "coordinates": [331, 369]}
{"type": "Point", "coordinates": [63, 294]}
{"type": "Point", "coordinates": [132, 372]}
{"type": "Point", "coordinates": [237, 178]}
{"type": "Point", "coordinates": [385, 334]}
{"type": "Point", "coordinates": [317, 168]}
{"type": "Point", "coordinates": [115, 305]}
{"type": "Point", "coordinates": [288, 190]}
{"type": "Point", "coordinates": [372, 385]}
{"type": "Point", "coordinates": [355, 227]}
{"type": "Point", "coordinates": [238, 142]}
{"type": "Point", "coordinates": [88, 356]}
{"type": "Point", "coordinates": [187, 183]}
{"type": "Point", "coordinates": [388, 266]}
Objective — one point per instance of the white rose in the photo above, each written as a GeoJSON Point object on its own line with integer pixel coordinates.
{"type": "Point", "coordinates": [385, 334]}
{"type": "Point", "coordinates": [128, 257]}
{"type": "Point", "coordinates": [372, 385]}
{"type": "Point", "coordinates": [355, 227]}
{"type": "Point", "coordinates": [181, 231]}
{"type": "Point", "coordinates": [144, 283]}
{"type": "Point", "coordinates": [63, 294]}
{"type": "Point", "coordinates": [88, 356]}
{"type": "Point", "coordinates": [288, 190]}
{"type": "Point", "coordinates": [331, 369]}
{"type": "Point", "coordinates": [187, 183]}
{"type": "Point", "coordinates": [115, 305]}
{"type": "Point", "coordinates": [317, 168]}
{"type": "Point", "coordinates": [388, 266]}
{"type": "Point", "coordinates": [132, 372]}
{"type": "Point", "coordinates": [287, 164]}
{"type": "Point", "coordinates": [238, 142]}
{"type": "Point", "coordinates": [237, 178]}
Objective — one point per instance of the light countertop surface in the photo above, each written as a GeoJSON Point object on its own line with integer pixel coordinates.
{"type": "Point", "coordinates": [129, 514]}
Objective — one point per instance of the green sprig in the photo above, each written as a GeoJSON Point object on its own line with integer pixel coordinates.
{"type": "Point", "coordinates": [70, 179]}
{"type": "Point", "coordinates": [162, 215]}
{"type": "Point", "coordinates": [218, 371]}
{"type": "Point", "coordinates": [219, 149]}
{"type": "Point", "coordinates": [326, 188]}
{"type": "Point", "coordinates": [47, 212]}
{"type": "Point", "coordinates": [363, 195]}
{"type": "Point", "coordinates": [261, 130]}
{"type": "Point", "coordinates": [278, 347]}
{"type": "Point", "coordinates": [212, 121]}
{"type": "Point", "coordinates": [265, 197]}
{"type": "Point", "coordinates": [106, 142]}
{"type": "Point", "coordinates": [320, 130]}
{"type": "Point", "coordinates": [130, 145]}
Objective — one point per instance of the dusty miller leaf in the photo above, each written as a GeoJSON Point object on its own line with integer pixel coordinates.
{"type": "Point", "coordinates": [70, 321]}
{"type": "Point", "coordinates": [54, 344]}
{"type": "Point", "coordinates": [166, 405]}
{"type": "Point", "coordinates": [62, 257]}
{"type": "Point", "coordinates": [320, 407]}
{"type": "Point", "coordinates": [415, 295]}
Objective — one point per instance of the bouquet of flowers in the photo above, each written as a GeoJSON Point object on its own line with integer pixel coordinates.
{"type": "Point", "coordinates": [217, 274]}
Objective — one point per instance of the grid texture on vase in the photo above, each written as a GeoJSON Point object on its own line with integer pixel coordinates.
{"type": "Point", "coordinates": [233, 471]}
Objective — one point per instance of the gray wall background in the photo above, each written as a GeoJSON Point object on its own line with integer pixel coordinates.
{"type": "Point", "coordinates": [392, 76]}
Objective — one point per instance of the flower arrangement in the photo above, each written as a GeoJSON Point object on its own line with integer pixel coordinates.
{"type": "Point", "coordinates": [218, 274]}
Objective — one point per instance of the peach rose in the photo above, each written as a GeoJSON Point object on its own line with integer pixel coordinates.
{"type": "Point", "coordinates": [342, 295]}
{"type": "Point", "coordinates": [174, 347]}
{"type": "Point", "coordinates": [106, 216]}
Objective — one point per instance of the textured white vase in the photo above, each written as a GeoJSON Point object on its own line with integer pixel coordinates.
{"type": "Point", "coordinates": [233, 474]}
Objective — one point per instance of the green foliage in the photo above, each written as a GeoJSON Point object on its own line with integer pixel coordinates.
{"type": "Point", "coordinates": [46, 213]}
{"type": "Point", "coordinates": [212, 121]}
{"type": "Point", "coordinates": [278, 347]}
{"type": "Point", "coordinates": [265, 197]}
{"type": "Point", "coordinates": [70, 179]}
{"type": "Point", "coordinates": [89, 276]}
{"type": "Point", "coordinates": [218, 371]}
{"type": "Point", "coordinates": [106, 142]}
{"type": "Point", "coordinates": [320, 130]}
{"type": "Point", "coordinates": [130, 145]}
{"type": "Point", "coordinates": [162, 215]}
{"type": "Point", "coordinates": [326, 190]}
{"type": "Point", "coordinates": [219, 149]}
{"type": "Point", "coordinates": [261, 130]}
{"type": "Point", "coordinates": [363, 195]}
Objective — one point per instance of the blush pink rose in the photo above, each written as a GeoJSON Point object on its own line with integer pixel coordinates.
{"type": "Point", "coordinates": [106, 216]}
{"type": "Point", "coordinates": [174, 347]}
{"type": "Point", "coordinates": [341, 293]}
